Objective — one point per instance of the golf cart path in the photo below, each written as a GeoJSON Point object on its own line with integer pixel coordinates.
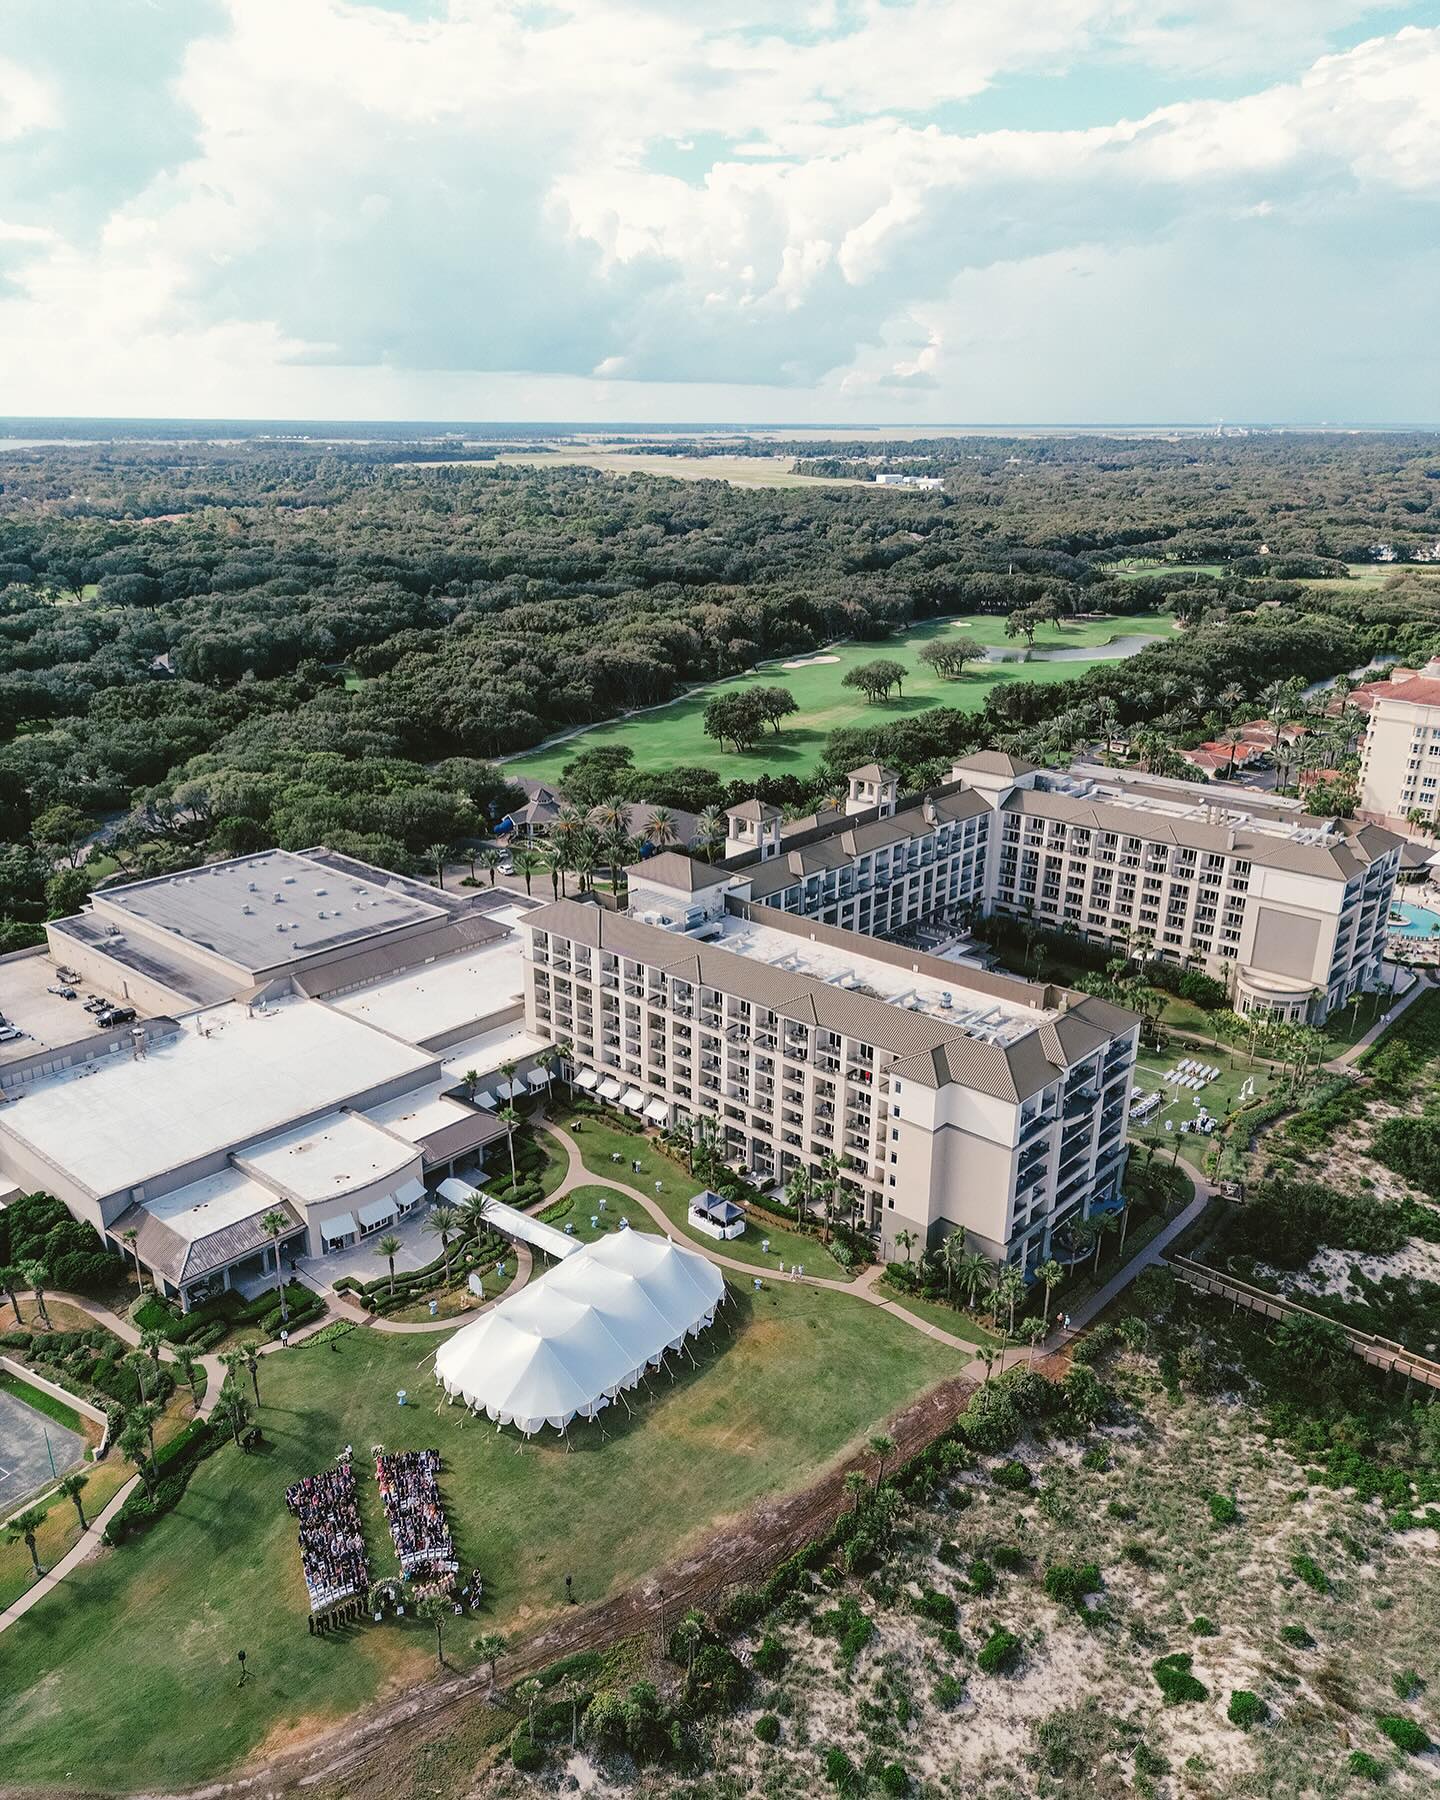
{"type": "Point", "coordinates": [1338, 1065]}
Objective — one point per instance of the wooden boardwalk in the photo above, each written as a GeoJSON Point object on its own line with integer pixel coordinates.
{"type": "Point", "coordinates": [1390, 1358]}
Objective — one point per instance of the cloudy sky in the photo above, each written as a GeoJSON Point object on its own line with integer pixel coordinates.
{"type": "Point", "coordinates": [797, 210]}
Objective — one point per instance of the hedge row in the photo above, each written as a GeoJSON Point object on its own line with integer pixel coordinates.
{"type": "Point", "coordinates": [204, 1326]}
{"type": "Point", "coordinates": [466, 1256]}
{"type": "Point", "coordinates": [175, 1462]}
{"type": "Point", "coordinates": [88, 1363]}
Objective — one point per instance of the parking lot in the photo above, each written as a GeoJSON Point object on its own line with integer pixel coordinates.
{"type": "Point", "coordinates": [45, 1018]}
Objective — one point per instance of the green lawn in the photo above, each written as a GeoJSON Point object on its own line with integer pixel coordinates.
{"type": "Point", "coordinates": [599, 1142]}
{"type": "Point", "coordinates": [675, 734]}
{"type": "Point", "coordinates": [126, 1674]}
{"type": "Point", "coordinates": [936, 1312]}
{"type": "Point", "coordinates": [1218, 1097]}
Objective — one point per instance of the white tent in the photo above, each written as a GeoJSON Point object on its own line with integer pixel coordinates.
{"type": "Point", "coordinates": [567, 1344]}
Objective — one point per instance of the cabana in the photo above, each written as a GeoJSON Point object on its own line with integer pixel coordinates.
{"type": "Point", "coordinates": [717, 1217]}
{"type": "Point", "coordinates": [570, 1343]}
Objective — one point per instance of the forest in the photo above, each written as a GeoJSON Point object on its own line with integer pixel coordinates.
{"type": "Point", "coordinates": [205, 646]}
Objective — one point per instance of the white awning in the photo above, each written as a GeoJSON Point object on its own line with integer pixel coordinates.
{"type": "Point", "coordinates": [513, 1222]}
{"type": "Point", "coordinates": [539, 1078]}
{"type": "Point", "coordinates": [633, 1098]}
{"type": "Point", "coordinates": [586, 1078]}
{"type": "Point", "coordinates": [487, 1100]}
{"type": "Point", "coordinates": [569, 1342]}
{"type": "Point", "coordinates": [342, 1225]}
{"type": "Point", "coordinates": [610, 1090]}
{"type": "Point", "coordinates": [658, 1111]}
{"type": "Point", "coordinates": [411, 1192]}
{"type": "Point", "coordinates": [376, 1212]}
{"type": "Point", "coordinates": [511, 1090]}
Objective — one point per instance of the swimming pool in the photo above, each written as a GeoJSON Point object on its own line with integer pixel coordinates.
{"type": "Point", "coordinates": [1420, 922]}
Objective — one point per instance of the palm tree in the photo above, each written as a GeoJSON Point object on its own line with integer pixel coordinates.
{"type": "Point", "coordinates": [234, 1409]}
{"type": "Point", "coordinates": [275, 1224]}
{"type": "Point", "coordinates": [551, 858]}
{"type": "Point", "coordinates": [72, 1486]}
{"type": "Point", "coordinates": [251, 1354]}
{"type": "Point", "coordinates": [660, 828]}
{"type": "Point", "coordinates": [797, 1189]}
{"type": "Point", "coordinates": [11, 1280]}
{"type": "Point", "coordinates": [828, 1186]}
{"type": "Point", "coordinates": [390, 1247]}
{"type": "Point", "coordinates": [710, 830]}
{"type": "Point", "coordinates": [987, 1356]}
{"type": "Point", "coordinates": [906, 1241]}
{"type": "Point", "coordinates": [489, 860]}
{"type": "Point", "coordinates": [487, 1647]}
{"type": "Point", "coordinates": [525, 863]}
{"type": "Point", "coordinates": [150, 1342]}
{"type": "Point", "coordinates": [146, 1416]}
{"type": "Point", "coordinates": [132, 1238]}
{"type": "Point", "coordinates": [141, 1367]}
{"type": "Point", "coordinates": [507, 1077]}
{"type": "Point", "coordinates": [973, 1273]}
{"type": "Point", "coordinates": [951, 1254]}
{"type": "Point", "coordinates": [548, 1060]}
{"type": "Point", "coordinates": [856, 1486]}
{"type": "Point", "coordinates": [528, 1694]}
{"type": "Point", "coordinates": [1049, 1275]}
{"type": "Point", "coordinates": [509, 1118]}
{"type": "Point", "coordinates": [22, 1530]}
{"type": "Point", "coordinates": [1032, 1331]}
{"type": "Point", "coordinates": [441, 1221]}
{"type": "Point", "coordinates": [564, 1053]}
{"type": "Point", "coordinates": [1012, 1291]}
{"type": "Point", "coordinates": [881, 1447]}
{"type": "Point", "coordinates": [35, 1276]}
{"type": "Point", "coordinates": [691, 1633]}
{"type": "Point", "coordinates": [437, 855]}
{"type": "Point", "coordinates": [436, 1608]}
{"type": "Point", "coordinates": [582, 860]}
{"type": "Point", "coordinates": [188, 1364]}
{"type": "Point", "coordinates": [135, 1448]}
{"type": "Point", "coordinates": [571, 1692]}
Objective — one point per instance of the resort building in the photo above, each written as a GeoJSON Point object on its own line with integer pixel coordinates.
{"type": "Point", "coordinates": [1289, 910]}
{"type": "Point", "coordinates": [950, 1098]}
{"type": "Point", "coordinates": [299, 1047]}
{"type": "Point", "coordinates": [1400, 757]}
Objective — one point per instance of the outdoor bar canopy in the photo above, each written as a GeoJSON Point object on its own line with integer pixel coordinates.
{"type": "Point", "coordinates": [567, 1344]}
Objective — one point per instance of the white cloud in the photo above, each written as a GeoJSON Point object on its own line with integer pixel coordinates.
{"type": "Point", "coordinates": [627, 193]}
{"type": "Point", "coordinates": [27, 103]}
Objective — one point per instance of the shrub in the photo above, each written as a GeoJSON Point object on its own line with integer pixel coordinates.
{"type": "Point", "coordinates": [1150, 1762]}
{"type": "Point", "coordinates": [952, 1641]}
{"type": "Point", "coordinates": [771, 1657]}
{"type": "Point", "coordinates": [839, 1770]}
{"type": "Point", "coordinates": [525, 1753]}
{"type": "Point", "coordinates": [937, 1607]}
{"type": "Point", "coordinates": [1297, 1637]}
{"type": "Point", "coordinates": [1367, 1767]}
{"type": "Point", "coordinates": [1000, 1653]}
{"type": "Point", "coordinates": [1097, 1458]}
{"type": "Point", "coordinates": [1007, 1557]}
{"type": "Point", "coordinates": [767, 1728]}
{"type": "Point", "coordinates": [1200, 1626]}
{"type": "Point", "coordinates": [981, 1576]}
{"type": "Point", "coordinates": [947, 1692]}
{"type": "Point", "coordinates": [1120, 1509]}
{"type": "Point", "coordinates": [1069, 1583]}
{"type": "Point", "coordinates": [1223, 1509]}
{"type": "Point", "coordinates": [1173, 1678]}
{"type": "Point", "coordinates": [1404, 1733]}
{"type": "Point", "coordinates": [894, 1780]}
{"type": "Point", "coordinates": [850, 1625]}
{"type": "Point", "coordinates": [1246, 1709]}
{"type": "Point", "coordinates": [1014, 1475]}
{"type": "Point", "coordinates": [1407, 1684]}
{"type": "Point", "coordinates": [1310, 1573]}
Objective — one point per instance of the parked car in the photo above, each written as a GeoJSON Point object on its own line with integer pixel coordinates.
{"type": "Point", "coordinates": [10, 1033]}
{"type": "Point", "coordinates": [65, 993]}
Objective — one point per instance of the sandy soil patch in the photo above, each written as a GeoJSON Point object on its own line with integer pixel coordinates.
{"type": "Point", "coordinates": [808, 662]}
{"type": "Point", "coordinates": [1332, 1271]}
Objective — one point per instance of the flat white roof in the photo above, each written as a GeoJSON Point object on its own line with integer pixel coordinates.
{"type": "Point", "coordinates": [262, 912]}
{"type": "Point", "coordinates": [415, 1115]}
{"type": "Point", "coordinates": [484, 1053]}
{"type": "Point", "coordinates": [211, 1204]}
{"type": "Point", "coordinates": [987, 1016]}
{"type": "Point", "coordinates": [229, 1078]}
{"type": "Point", "coordinates": [334, 1155]}
{"type": "Point", "coordinates": [436, 997]}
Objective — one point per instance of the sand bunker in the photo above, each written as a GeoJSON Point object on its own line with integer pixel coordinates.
{"type": "Point", "coordinates": [808, 662]}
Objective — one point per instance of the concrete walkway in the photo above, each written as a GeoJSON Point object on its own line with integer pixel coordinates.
{"type": "Point", "coordinates": [1339, 1065]}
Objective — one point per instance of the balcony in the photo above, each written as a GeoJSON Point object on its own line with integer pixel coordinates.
{"type": "Point", "coordinates": [1039, 1123]}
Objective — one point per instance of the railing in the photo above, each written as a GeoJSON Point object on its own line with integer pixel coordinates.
{"type": "Point", "coordinates": [1380, 1353]}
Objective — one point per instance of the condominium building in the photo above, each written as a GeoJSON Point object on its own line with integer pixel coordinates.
{"type": "Point", "coordinates": [1400, 757]}
{"type": "Point", "coordinates": [951, 1098]}
{"type": "Point", "coordinates": [1289, 910]}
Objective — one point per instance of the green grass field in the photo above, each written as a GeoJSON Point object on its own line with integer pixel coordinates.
{"type": "Point", "coordinates": [1218, 1097]}
{"type": "Point", "coordinates": [675, 733]}
{"type": "Point", "coordinates": [600, 1142]}
{"type": "Point", "coordinates": [1368, 575]}
{"type": "Point", "coordinates": [126, 1675]}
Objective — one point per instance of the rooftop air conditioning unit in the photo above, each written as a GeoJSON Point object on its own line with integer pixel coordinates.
{"type": "Point", "coordinates": [947, 1000]}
